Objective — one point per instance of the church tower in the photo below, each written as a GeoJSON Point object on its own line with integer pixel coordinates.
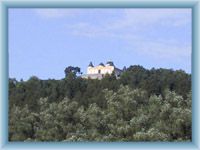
{"type": "Point", "coordinates": [89, 68]}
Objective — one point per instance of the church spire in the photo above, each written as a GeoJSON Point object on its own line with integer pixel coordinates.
{"type": "Point", "coordinates": [90, 64]}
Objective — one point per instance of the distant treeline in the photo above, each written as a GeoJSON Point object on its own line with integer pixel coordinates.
{"type": "Point", "coordinates": [142, 105]}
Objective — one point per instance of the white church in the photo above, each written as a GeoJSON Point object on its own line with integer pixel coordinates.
{"type": "Point", "coordinates": [99, 71]}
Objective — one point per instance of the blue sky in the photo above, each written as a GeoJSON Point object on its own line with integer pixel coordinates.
{"type": "Point", "coordinates": [42, 42]}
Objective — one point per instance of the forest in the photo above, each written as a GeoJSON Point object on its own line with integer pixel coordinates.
{"type": "Point", "coordinates": [142, 105]}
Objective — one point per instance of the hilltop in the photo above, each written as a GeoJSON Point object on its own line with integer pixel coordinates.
{"type": "Point", "coordinates": [142, 105]}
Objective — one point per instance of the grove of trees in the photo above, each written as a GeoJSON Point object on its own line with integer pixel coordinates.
{"type": "Point", "coordinates": [143, 105]}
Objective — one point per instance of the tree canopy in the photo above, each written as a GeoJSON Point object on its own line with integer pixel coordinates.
{"type": "Point", "coordinates": [142, 105]}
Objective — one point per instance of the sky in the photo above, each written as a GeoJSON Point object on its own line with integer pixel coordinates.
{"type": "Point", "coordinates": [43, 42]}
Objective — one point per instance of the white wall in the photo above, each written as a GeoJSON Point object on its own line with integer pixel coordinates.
{"type": "Point", "coordinates": [104, 70]}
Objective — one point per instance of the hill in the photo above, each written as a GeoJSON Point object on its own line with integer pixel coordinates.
{"type": "Point", "coordinates": [142, 105]}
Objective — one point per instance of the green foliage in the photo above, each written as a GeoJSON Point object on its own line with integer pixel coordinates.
{"type": "Point", "coordinates": [72, 71]}
{"type": "Point", "coordinates": [155, 81]}
{"type": "Point", "coordinates": [22, 123]}
{"type": "Point", "coordinates": [143, 105]}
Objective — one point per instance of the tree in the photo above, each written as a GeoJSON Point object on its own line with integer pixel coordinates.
{"type": "Point", "coordinates": [22, 124]}
{"type": "Point", "coordinates": [72, 70]}
{"type": "Point", "coordinates": [143, 105]}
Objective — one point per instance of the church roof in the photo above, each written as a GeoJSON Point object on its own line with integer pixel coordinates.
{"type": "Point", "coordinates": [90, 64]}
{"type": "Point", "coordinates": [110, 63]}
{"type": "Point", "coordinates": [101, 64]}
